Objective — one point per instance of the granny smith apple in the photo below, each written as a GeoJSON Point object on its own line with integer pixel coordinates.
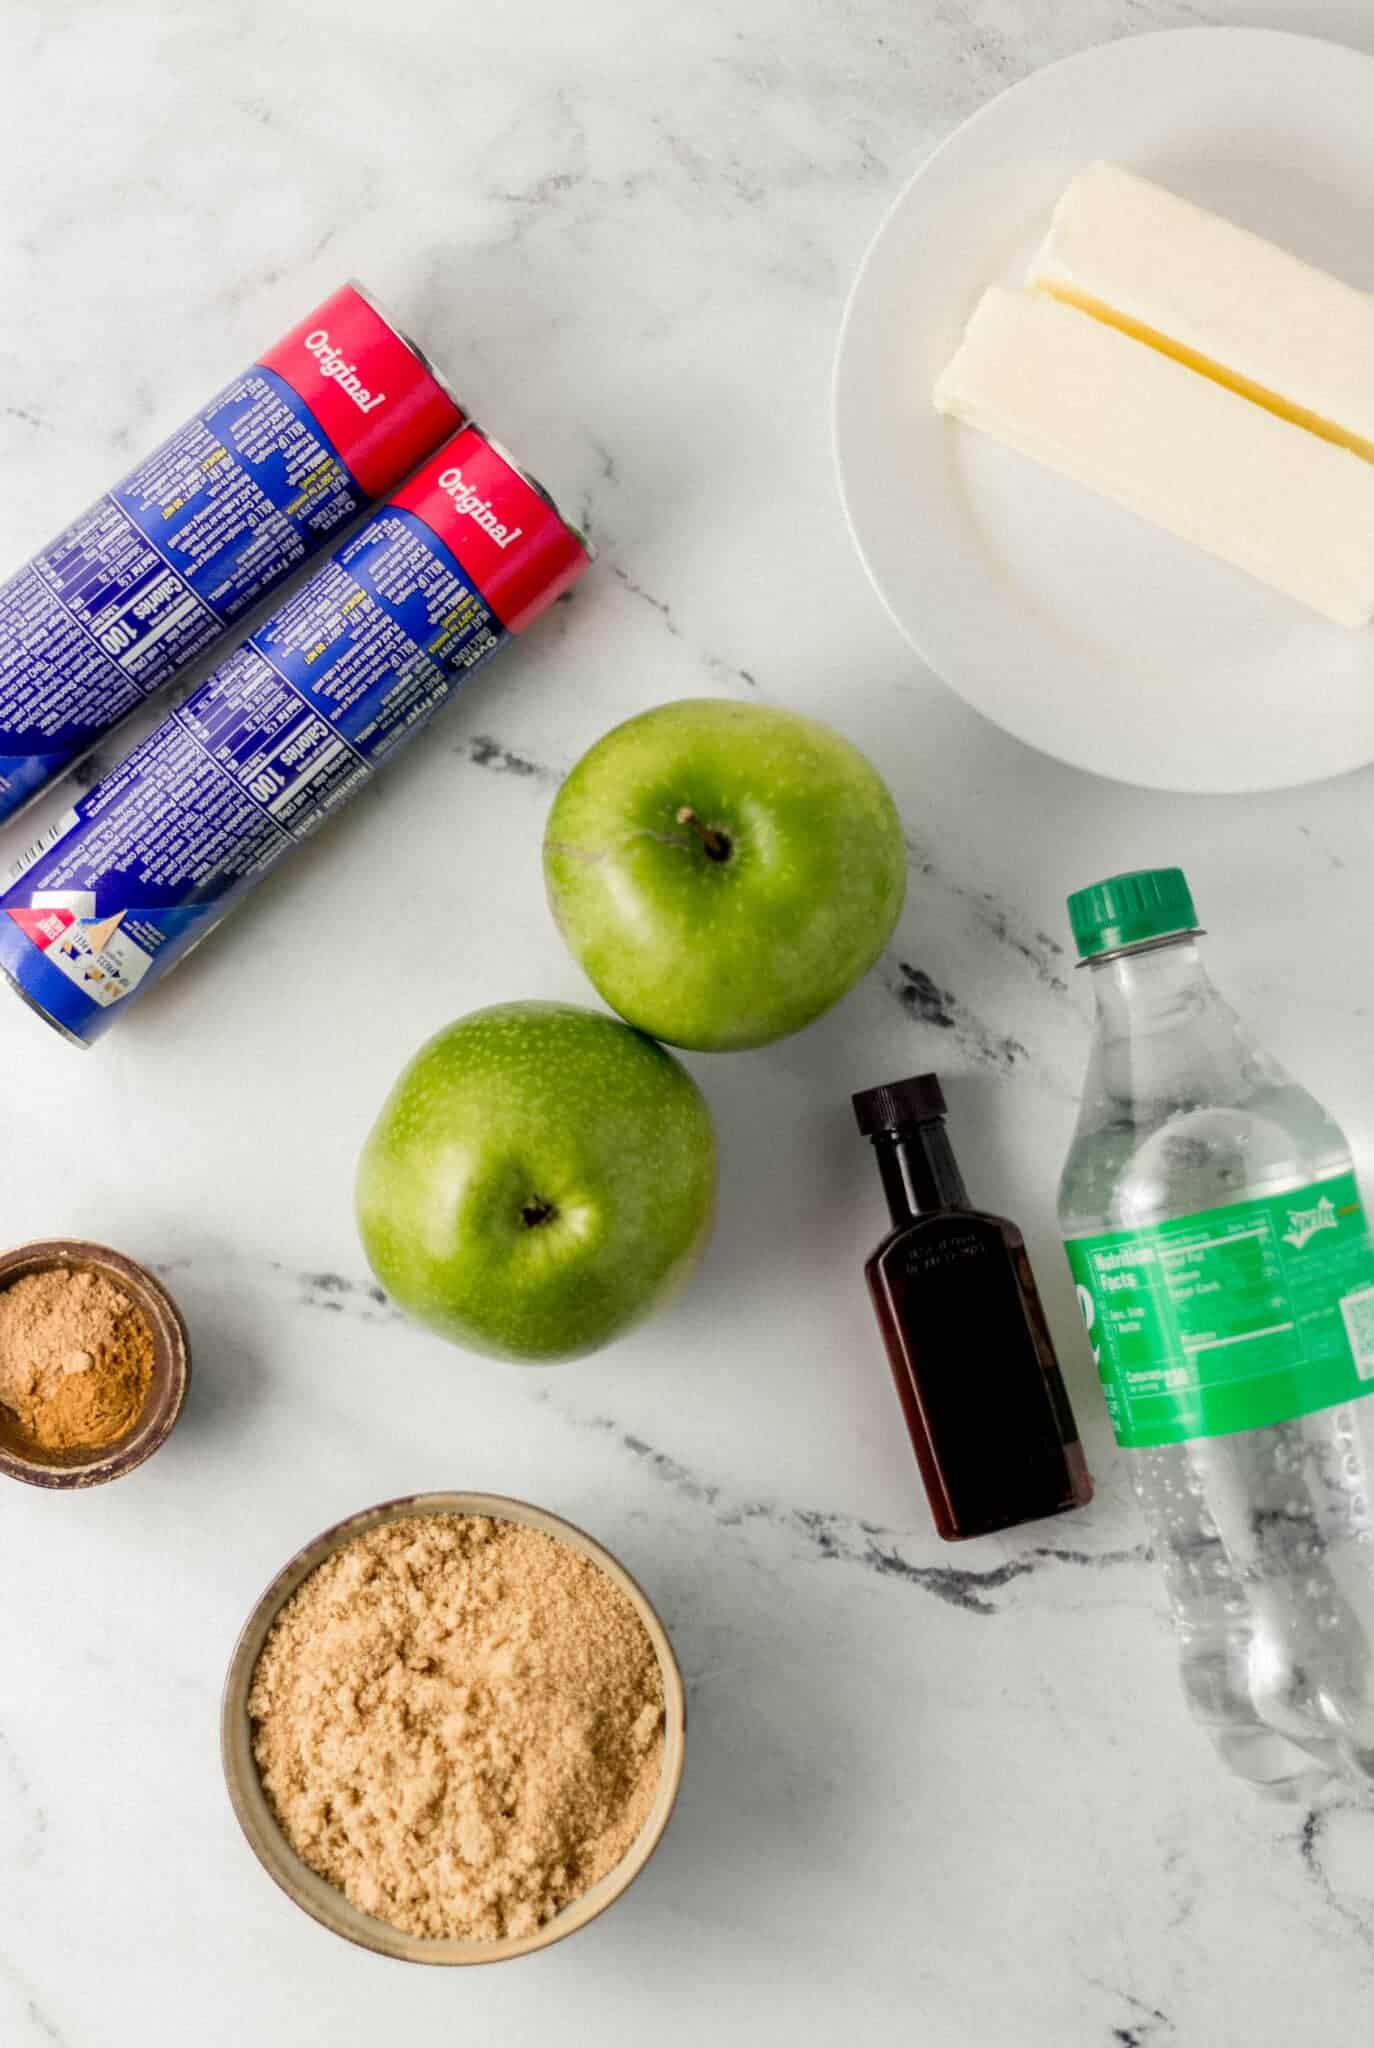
{"type": "Point", "coordinates": [724, 872]}
{"type": "Point", "coordinates": [539, 1179]}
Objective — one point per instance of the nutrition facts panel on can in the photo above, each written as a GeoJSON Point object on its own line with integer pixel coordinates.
{"type": "Point", "coordinates": [113, 583]}
{"type": "Point", "coordinates": [151, 574]}
{"type": "Point", "coordinates": [152, 856]}
{"type": "Point", "coordinates": [212, 829]}
{"type": "Point", "coordinates": [284, 756]}
{"type": "Point", "coordinates": [256, 758]}
{"type": "Point", "coordinates": [343, 672]}
{"type": "Point", "coordinates": [241, 495]}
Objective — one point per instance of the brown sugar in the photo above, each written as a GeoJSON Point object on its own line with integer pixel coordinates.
{"type": "Point", "coordinates": [459, 1722]}
{"type": "Point", "coordinates": [76, 1358]}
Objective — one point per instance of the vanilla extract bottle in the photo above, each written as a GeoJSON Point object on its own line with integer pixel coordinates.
{"type": "Point", "coordinates": [966, 1336]}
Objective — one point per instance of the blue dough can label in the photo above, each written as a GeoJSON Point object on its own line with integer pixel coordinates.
{"type": "Point", "coordinates": [258, 482]}
{"type": "Point", "coordinates": [156, 853]}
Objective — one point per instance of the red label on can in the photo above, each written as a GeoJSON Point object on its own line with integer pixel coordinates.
{"type": "Point", "coordinates": [380, 407]}
{"type": "Point", "coordinates": [43, 926]}
{"type": "Point", "coordinates": [507, 537]}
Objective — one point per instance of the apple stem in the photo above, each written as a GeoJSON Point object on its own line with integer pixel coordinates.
{"type": "Point", "coordinates": [715, 843]}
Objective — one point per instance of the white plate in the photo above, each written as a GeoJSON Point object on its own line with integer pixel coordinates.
{"type": "Point", "coordinates": [1074, 625]}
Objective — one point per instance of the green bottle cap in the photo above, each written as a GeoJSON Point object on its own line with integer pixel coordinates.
{"type": "Point", "coordinates": [1129, 909]}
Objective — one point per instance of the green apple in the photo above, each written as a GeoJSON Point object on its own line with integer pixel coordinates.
{"type": "Point", "coordinates": [539, 1179]}
{"type": "Point", "coordinates": [724, 872]}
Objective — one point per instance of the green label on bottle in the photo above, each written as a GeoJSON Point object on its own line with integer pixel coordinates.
{"type": "Point", "coordinates": [1235, 1318]}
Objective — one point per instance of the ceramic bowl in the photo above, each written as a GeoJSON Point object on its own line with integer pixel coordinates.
{"type": "Point", "coordinates": [313, 1893]}
{"type": "Point", "coordinates": [21, 1459]}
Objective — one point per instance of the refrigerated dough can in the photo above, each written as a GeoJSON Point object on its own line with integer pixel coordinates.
{"type": "Point", "coordinates": [152, 857]}
{"type": "Point", "coordinates": [256, 483]}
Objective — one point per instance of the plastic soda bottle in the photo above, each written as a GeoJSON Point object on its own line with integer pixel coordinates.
{"type": "Point", "coordinates": [1225, 1273]}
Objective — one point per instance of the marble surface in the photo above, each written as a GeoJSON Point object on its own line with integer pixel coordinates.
{"type": "Point", "coordinates": [932, 1795]}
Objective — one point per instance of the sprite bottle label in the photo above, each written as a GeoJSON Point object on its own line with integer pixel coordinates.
{"type": "Point", "coordinates": [1233, 1318]}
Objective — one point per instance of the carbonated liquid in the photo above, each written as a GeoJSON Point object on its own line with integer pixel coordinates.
{"type": "Point", "coordinates": [1265, 1534]}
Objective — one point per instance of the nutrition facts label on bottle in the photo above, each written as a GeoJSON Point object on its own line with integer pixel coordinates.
{"type": "Point", "coordinates": [1233, 1318]}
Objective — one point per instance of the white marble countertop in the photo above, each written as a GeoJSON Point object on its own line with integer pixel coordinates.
{"type": "Point", "coordinates": [939, 1796]}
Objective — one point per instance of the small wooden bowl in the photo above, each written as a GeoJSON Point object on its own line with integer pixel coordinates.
{"type": "Point", "coordinates": [313, 1893]}
{"type": "Point", "coordinates": [21, 1459]}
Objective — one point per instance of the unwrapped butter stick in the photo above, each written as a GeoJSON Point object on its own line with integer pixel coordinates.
{"type": "Point", "coordinates": [1226, 302]}
{"type": "Point", "coordinates": [1178, 449]}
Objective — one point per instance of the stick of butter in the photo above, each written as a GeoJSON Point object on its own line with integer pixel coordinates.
{"type": "Point", "coordinates": [1179, 450]}
{"type": "Point", "coordinates": [1224, 301]}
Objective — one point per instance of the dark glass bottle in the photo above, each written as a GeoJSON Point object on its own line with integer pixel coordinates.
{"type": "Point", "coordinates": [970, 1349]}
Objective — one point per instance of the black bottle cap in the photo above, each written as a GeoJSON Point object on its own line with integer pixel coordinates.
{"type": "Point", "coordinates": [921, 1100]}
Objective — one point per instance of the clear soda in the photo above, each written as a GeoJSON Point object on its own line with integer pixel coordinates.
{"type": "Point", "coordinates": [1211, 1176]}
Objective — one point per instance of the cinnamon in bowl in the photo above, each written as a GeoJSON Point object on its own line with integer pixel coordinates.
{"type": "Point", "coordinates": [93, 1364]}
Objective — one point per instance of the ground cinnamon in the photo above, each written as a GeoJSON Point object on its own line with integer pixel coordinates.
{"type": "Point", "coordinates": [76, 1358]}
{"type": "Point", "coordinates": [459, 1722]}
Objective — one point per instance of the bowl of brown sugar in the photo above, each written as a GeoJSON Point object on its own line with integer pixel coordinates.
{"type": "Point", "coordinates": [453, 1729]}
{"type": "Point", "coordinates": [94, 1363]}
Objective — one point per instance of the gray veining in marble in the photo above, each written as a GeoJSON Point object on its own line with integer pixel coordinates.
{"type": "Point", "coordinates": [939, 1797]}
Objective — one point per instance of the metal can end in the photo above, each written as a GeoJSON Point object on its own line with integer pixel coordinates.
{"type": "Point", "coordinates": [587, 546]}
{"type": "Point", "coordinates": [421, 355]}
